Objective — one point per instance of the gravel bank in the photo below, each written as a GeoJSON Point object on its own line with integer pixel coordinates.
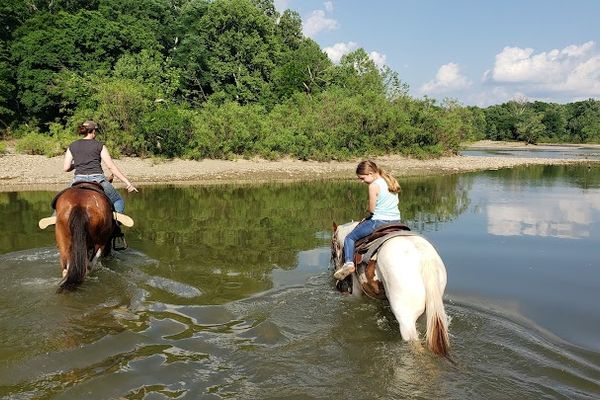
{"type": "Point", "coordinates": [25, 172]}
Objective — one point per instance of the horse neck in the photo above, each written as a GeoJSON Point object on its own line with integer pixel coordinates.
{"type": "Point", "coordinates": [343, 231]}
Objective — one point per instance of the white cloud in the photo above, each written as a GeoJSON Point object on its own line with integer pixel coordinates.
{"type": "Point", "coordinates": [328, 6]}
{"type": "Point", "coordinates": [448, 78]}
{"type": "Point", "coordinates": [337, 51]}
{"type": "Point", "coordinates": [583, 80]}
{"type": "Point", "coordinates": [495, 95]}
{"type": "Point", "coordinates": [318, 22]}
{"type": "Point", "coordinates": [574, 70]}
{"type": "Point", "coordinates": [378, 58]}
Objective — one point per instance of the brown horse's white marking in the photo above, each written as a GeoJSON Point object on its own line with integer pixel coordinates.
{"type": "Point", "coordinates": [414, 278]}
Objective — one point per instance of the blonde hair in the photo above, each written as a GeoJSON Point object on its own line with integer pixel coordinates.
{"type": "Point", "coordinates": [369, 167]}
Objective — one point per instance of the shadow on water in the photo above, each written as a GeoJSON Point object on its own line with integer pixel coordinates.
{"type": "Point", "coordinates": [225, 293]}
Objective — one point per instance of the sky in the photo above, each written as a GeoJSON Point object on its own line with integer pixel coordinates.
{"type": "Point", "coordinates": [480, 52]}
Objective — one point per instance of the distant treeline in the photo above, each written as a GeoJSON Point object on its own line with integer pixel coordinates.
{"type": "Point", "coordinates": [226, 78]}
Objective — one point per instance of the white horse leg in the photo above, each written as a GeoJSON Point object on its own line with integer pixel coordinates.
{"type": "Point", "coordinates": [96, 257]}
{"type": "Point", "coordinates": [65, 270]}
{"type": "Point", "coordinates": [407, 304]}
{"type": "Point", "coordinates": [356, 287]}
{"type": "Point", "coordinates": [399, 269]}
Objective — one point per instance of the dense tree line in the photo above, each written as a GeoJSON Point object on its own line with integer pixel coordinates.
{"type": "Point", "coordinates": [225, 78]}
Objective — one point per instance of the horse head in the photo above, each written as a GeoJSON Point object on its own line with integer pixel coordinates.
{"type": "Point", "coordinates": [337, 244]}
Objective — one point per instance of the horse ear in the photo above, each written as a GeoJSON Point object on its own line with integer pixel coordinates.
{"type": "Point", "coordinates": [334, 226]}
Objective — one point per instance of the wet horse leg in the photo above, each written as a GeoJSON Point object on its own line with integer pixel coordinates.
{"type": "Point", "coordinates": [401, 275]}
{"type": "Point", "coordinates": [63, 242]}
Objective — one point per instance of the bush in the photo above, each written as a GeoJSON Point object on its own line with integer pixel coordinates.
{"type": "Point", "coordinates": [167, 131]}
{"type": "Point", "coordinates": [36, 143]}
{"type": "Point", "coordinates": [228, 130]}
{"type": "Point", "coordinates": [2, 147]}
{"type": "Point", "coordinates": [62, 136]}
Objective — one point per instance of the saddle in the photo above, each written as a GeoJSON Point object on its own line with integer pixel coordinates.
{"type": "Point", "coordinates": [365, 258]}
{"type": "Point", "coordinates": [94, 186]}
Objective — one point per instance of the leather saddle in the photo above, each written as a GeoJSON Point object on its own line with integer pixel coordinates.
{"type": "Point", "coordinates": [94, 186]}
{"type": "Point", "coordinates": [365, 259]}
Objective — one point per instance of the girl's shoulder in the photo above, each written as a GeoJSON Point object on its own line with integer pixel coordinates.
{"type": "Point", "coordinates": [380, 182]}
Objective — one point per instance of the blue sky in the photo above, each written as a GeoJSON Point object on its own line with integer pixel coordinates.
{"type": "Point", "coordinates": [479, 52]}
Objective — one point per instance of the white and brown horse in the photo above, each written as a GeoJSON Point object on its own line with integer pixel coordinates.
{"type": "Point", "coordinates": [414, 278]}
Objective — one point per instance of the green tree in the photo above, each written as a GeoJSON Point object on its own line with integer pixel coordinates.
{"type": "Point", "coordinates": [302, 70]}
{"type": "Point", "coordinates": [530, 127]}
{"type": "Point", "coordinates": [190, 55]}
{"type": "Point", "coordinates": [242, 51]}
{"type": "Point", "coordinates": [394, 87]}
{"type": "Point", "coordinates": [152, 69]}
{"type": "Point", "coordinates": [584, 123]}
{"type": "Point", "coordinates": [7, 105]}
{"type": "Point", "coordinates": [357, 73]}
{"type": "Point", "coordinates": [167, 131]}
{"type": "Point", "coordinates": [554, 121]}
{"type": "Point", "coordinates": [83, 42]}
{"type": "Point", "coordinates": [151, 22]}
{"type": "Point", "coordinates": [290, 29]}
{"type": "Point", "coordinates": [500, 122]}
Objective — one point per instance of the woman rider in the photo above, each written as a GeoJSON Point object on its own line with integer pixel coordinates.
{"type": "Point", "coordinates": [85, 157]}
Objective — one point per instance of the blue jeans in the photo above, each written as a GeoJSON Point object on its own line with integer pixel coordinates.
{"type": "Point", "coordinates": [365, 228]}
{"type": "Point", "coordinates": [109, 189]}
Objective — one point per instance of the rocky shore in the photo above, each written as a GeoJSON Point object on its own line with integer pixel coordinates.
{"type": "Point", "coordinates": [20, 172]}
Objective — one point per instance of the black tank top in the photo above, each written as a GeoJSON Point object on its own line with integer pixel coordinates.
{"type": "Point", "coordinates": [86, 156]}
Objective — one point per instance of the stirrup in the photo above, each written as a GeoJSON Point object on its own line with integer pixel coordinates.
{"type": "Point", "coordinates": [119, 243]}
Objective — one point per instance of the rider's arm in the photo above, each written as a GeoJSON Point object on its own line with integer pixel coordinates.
{"type": "Point", "coordinates": [373, 193]}
{"type": "Point", "coordinates": [105, 156]}
{"type": "Point", "coordinates": [68, 163]}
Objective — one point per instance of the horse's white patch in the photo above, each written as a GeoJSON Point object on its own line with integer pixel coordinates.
{"type": "Point", "coordinates": [343, 230]}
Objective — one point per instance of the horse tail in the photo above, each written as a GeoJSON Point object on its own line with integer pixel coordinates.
{"type": "Point", "coordinates": [78, 256]}
{"type": "Point", "coordinates": [437, 321]}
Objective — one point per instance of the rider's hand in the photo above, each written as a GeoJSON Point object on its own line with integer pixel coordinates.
{"type": "Point", "coordinates": [130, 188]}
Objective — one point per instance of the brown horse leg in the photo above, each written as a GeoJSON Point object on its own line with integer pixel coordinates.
{"type": "Point", "coordinates": [63, 244]}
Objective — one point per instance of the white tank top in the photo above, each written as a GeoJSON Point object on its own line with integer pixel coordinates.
{"type": "Point", "coordinates": [386, 206]}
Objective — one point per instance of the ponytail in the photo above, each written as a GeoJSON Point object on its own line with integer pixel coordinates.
{"type": "Point", "coordinates": [393, 185]}
{"type": "Point", "coordinates": [87, 127]}
{"type": "Point", "coordinates": [83, 130]}
{"type": "Point", "coordinates": [369, 167]}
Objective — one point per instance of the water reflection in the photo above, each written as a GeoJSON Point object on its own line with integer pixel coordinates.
{"type": "Point", "coordinates": [574, 152]}
{"type": "Point", "coordinates": [225, 292]}
{"type": "Point", "coordinates": [223, 242]}
{"type": "Point", "coordinates": [563, 215]}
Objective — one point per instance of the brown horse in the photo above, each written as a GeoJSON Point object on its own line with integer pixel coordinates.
{"type": "Point", "coordinates": [84, 227]}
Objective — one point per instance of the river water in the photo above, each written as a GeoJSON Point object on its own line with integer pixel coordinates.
{"type": "Point", "coordinates": [225, 292]}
